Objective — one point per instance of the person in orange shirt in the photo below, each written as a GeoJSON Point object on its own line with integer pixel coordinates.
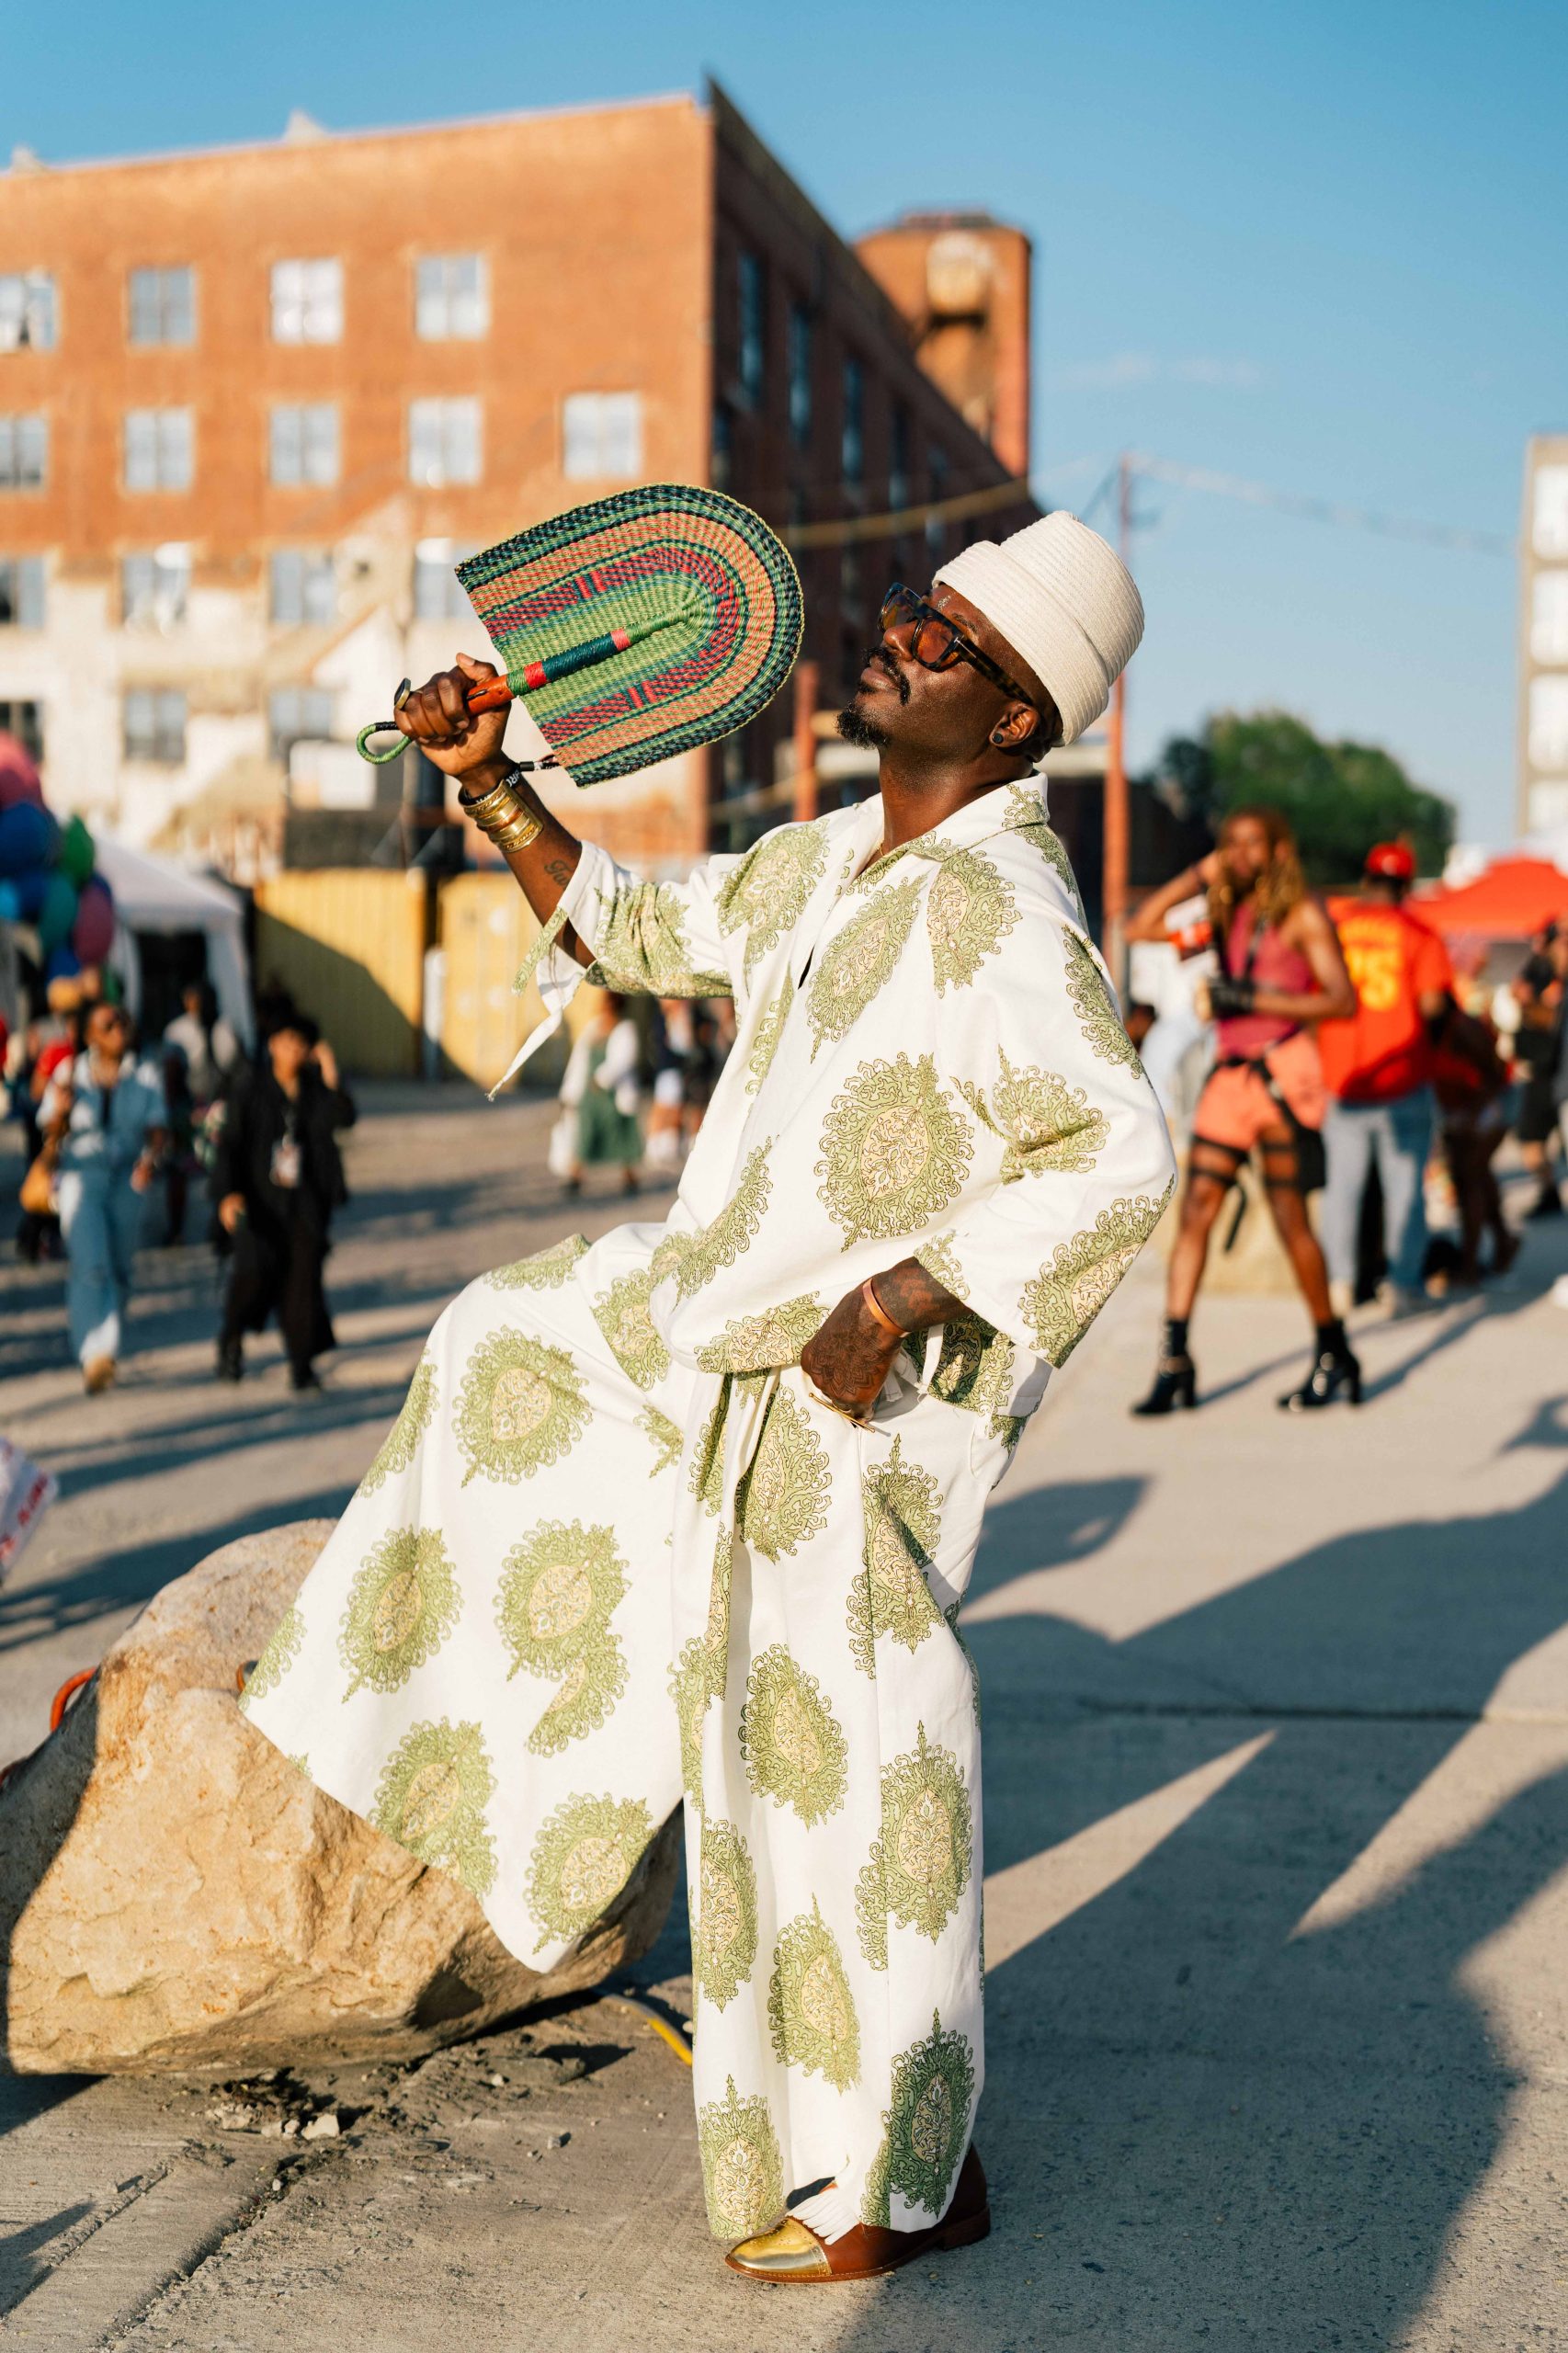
{"type": "Point", "coordinates": [1378, 1067]}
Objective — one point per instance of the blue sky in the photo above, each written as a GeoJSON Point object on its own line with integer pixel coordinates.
{"type": "Point", "coordinates": [1322, 247]}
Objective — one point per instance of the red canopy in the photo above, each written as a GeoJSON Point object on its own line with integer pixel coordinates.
{"type": "Point", "coordinates": [1512, 900]}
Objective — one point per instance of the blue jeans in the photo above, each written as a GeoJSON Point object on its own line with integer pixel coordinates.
{"type": "Point", "coordinates": [1400, 1134]}
{"type": "Point", "coordinates": [101, 1219]}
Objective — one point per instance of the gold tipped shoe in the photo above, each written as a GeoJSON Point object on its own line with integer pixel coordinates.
{"type": "Point", "coordinates": [791, 2252]}
{"type": "Point", "coordinates": [793, 2255]}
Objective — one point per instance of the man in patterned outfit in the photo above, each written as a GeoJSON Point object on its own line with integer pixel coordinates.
{"type": "Point", "coordinates": [696, 1508]}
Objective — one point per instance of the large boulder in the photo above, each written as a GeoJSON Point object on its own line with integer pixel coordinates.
{"type": "Point", "coordinates": [176, 1896]}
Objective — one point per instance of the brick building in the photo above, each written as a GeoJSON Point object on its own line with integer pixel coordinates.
{"type": "Point", "coordinates": [254, 402]}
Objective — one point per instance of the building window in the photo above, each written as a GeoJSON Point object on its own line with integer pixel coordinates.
{"type": "Point", "coordinates": [24, 720]}
{"type": "Point", "coordinates": [302, 587]}
{"type": "Point", "coordinates": [303, 444]}
{"type": "Point", "coordinates": [298, 714]}
{"type": "Point", "coordinates": [798, 357]}
{"type": "Point", "coordinates": [307, 302]}
{"type": "Point", "coordinates": [158, 449]}
{"type": "Point", "coordinates": [1549, 525]}
{"type": "Point", "coordinates": [935, 528]}
{"type": "Point", "coordinates": [24, 452]}
{"type": "Point", "coordinates": [438, 595]}
{"type": "Point", "coordinates": [443, 443]}
{"type": "Point", "coordinates": [1548, 722]}
{"type": "Point", "coordinates": [163, 306]}
{"type": "Point", "coordinates": [899, 488]}
{"type": "Point", "coordinates": [154, 588]}
{"type": "Point", "coordinates": [1549, 617]}
{"type": "Point", "coordinates": [852, 438]}
{"type": "Point", "coordinates": [21, 592]}
{"type": "Point", "coordinates": [723, 463]}
{"type": "Point", "coordinates": [451, 296]}
{"type": "Point", "coordinates": [28, 314]}
{"type": "Point", "coordinates": [751, 355]}
{"type": "Point", "coordinates": [601, 436]}
{"type": "Point", "coordinates": [155, 724]}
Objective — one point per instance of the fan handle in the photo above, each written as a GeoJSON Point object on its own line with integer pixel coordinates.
{"type": "Point", "coordinates": [492, 696]}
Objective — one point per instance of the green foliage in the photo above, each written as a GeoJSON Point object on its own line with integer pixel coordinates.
{"type": "Point", "coordinates": [1337, 798]}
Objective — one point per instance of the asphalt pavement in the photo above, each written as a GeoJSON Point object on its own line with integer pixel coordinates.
{"type": "Point", "coordinates": [1276, 1820]}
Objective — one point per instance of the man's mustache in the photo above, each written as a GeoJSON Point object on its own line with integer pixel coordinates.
{"type": "Point", "coordinates": [879, 655]}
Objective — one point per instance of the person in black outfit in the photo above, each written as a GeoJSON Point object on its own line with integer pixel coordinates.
{"type": "Point", "coordinates": [277, 1180]}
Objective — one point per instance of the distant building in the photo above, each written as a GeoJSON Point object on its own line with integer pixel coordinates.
{"type": "Point", "coordinates": [1543, 637]}
{"type": "Point", "coordinates": [255, 402]}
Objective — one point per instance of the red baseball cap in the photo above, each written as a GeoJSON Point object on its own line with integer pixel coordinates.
{"type": "Point", "coordinates": [1391, 862]}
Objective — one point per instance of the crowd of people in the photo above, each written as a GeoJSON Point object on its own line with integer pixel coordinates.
{"type": "Point", "coordinates": [1349, 1055]}
{"type": "Point", "coordinates": [115, 1135]}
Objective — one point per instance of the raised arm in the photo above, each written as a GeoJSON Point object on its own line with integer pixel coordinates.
{"type": "Point", "coordinates": [648, 938]}
{"type": "Point", "coordinates": [467, 744]}
{"type": "Point", "coordinates": [1147, 920]}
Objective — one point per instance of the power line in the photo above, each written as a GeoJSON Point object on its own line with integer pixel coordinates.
{"type": "Point", "coordinates": [1322, 510]}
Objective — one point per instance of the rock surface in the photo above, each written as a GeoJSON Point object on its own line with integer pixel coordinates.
{"type": "Point", "coordinates": [176, 1896]}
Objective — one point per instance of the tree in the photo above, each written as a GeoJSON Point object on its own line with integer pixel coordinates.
{"type": "Point", "coordinates": [1337, 798]}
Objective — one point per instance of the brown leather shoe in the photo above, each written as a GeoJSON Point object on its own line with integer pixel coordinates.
{"type": "Point", "coordinates": [793, 2254]}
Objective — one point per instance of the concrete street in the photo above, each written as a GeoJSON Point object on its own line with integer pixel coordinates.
{"type": "Point", "coordinates": [1277, 1822]}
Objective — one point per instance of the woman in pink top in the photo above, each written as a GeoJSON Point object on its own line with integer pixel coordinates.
{"type": "Point", "coordinates": [1281, 974]}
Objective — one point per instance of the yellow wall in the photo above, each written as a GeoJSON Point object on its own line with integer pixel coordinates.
{"type": "Point", "coordinates": [348, 943]}
{"type": "Point", "coordinates": [487, 929]}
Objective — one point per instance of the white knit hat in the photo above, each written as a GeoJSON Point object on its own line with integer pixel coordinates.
{"type": "Point", "coordinates": [1065, 602]}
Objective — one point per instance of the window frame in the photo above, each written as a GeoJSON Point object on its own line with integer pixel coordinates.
{"type": "Point", "coordinates": [153, 748]}
{"type": "Point", "coordinates": [162, 421]}
{"type": "Point", "coordinates": [437, 410]}
{"type": "Point", "coordinates": [26, 572]}
{"type": "Point", "coordinates": [445, 297]}
{"type": "Point", "coordinates": [306, 299]}
{"type": "Point", "coordinates": [14, 425]}
{"type": "Point", "coordinates": [161, 275]}
{"type": "Point", "coordinates": [852, 421]}
{"type": "Point", "coordinates": [303, 413]}
{"type": "Point", "coordinates": [603, 414]}
{"type": "Point", "coordinates": [751, 328]}
{"type": "Point", "coordinates": [799, 361]}
{"type": "Point", "coordinates": [31, 282]}
{"type": "Point", "coordinates": [160, 574]}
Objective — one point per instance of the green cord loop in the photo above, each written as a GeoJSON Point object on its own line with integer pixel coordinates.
{"type": "Point", "coordinates": [380, 727]}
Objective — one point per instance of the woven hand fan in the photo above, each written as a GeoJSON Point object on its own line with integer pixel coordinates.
{"type": "Point", "coordinates": [638, 626]}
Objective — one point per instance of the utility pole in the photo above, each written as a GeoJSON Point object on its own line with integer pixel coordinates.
{"type": "Point", "coordinates": [1114, 880]}
{"type": "Point", "coordinates": [805, 740]}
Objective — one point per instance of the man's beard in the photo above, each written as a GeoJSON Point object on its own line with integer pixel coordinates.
{"type": "Point", "coordinates": [854, 725]}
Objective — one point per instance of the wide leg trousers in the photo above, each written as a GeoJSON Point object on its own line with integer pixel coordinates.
{"type": "Point", "coordinates": [580, 1577]}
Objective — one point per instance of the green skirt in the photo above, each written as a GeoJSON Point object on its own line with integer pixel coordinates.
{"type": "Point", "coordinates": [606, 1137]}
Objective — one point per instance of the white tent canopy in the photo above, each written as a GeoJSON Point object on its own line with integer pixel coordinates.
{"type": "Point", "coordinates": [153, 896]}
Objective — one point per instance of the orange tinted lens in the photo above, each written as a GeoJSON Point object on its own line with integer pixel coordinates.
{"type": "Point", "coordinates": [933, 645]}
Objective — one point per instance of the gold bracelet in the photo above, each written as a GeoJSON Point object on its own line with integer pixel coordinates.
{"type": "Point", "coordinates": [485, 808]}
{"type": "Point", "coordinates": [525, 828]}
{"type": "Point", "coordinates": [869, 1294]}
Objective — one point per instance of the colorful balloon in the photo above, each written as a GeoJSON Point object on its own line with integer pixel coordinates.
{"type": "Point", "coordinates": [91, 935]}
{"type": "Point", "coordinates": [62, 964]}
{"type": "Point", "coordinates": [57, 914]}
{"type": "Point", "coordinates": [10, 903]}
{"type": "Point", "coordinates": [28, 837]}
{"type": "Point", "coordinates": [75, 852]}
{"type": "Point", "coordinates": [29, 889]}
{"type": "Point", "coordinates": [19, 775]}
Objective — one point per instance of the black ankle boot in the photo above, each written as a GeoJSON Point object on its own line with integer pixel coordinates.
{"type": "Point", "coordinates": [1175, 1375]}
{"type": "Point", "coordinates": [1334, 1370]}
{"type": "Point", "coordinates": [231, 1360]}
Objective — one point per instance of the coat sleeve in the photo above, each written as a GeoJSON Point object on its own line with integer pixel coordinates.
{"type": "Point", "coordinates": [1052, 1078]}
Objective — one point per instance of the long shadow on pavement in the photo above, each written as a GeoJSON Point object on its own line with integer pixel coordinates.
{"type": "Point", "coordinates": [1204, 2125]}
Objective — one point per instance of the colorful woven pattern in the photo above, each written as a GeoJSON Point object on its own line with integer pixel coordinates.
{"type": "Point", "coordinates": [691, 606]}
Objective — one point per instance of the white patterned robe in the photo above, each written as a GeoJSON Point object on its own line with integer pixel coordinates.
{"type": "Point", "coordinates": [613, 1549]}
